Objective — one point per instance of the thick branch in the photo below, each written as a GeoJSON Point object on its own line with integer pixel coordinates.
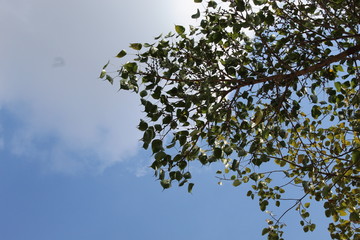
{"type": "Point", "coordinates": [276, 78]}
{"type": "Point", "coordinates": [311, 69]}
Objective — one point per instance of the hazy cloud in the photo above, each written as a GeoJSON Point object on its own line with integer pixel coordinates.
{"type": "Point", "coordinates": [69, 119]}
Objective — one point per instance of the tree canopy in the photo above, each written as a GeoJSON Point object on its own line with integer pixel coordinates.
{"type": "Point", "coordinates": [271, 89]}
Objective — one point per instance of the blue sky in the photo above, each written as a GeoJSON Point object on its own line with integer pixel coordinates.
{"type": "Point", "coordinates": [70, 160]}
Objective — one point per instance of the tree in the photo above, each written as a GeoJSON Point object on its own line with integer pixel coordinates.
{"type": "Point", "coordinates": [270, 89]}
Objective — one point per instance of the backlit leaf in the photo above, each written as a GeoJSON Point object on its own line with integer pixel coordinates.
{"type": "Point", "coordinates": [136, 46]}
{"type": "Point", "coordinates": [121, 54]}
{"type": "Point", "coordinates": [179, 29]}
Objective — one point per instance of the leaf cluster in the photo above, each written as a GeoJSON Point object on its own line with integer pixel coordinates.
{"type": "Point", "coordinates": [271, 89]}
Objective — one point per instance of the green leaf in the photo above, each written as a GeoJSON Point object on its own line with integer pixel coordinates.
{"type": "Point", "coordinates": [187, 175]}
{"type": "Point", "coordinates": [315, 111]}
{"type": "Point", "coordinates": [314, 98]}
{"type": "Point", "coordinates": [355, 217]}
{"type": "Point", "coordinates": [258, 117]}
{"type": "Point", "coordinates": [259, 2]}
{"type": "Point", "coordinates": [242, 152]}
{"type": "Point", "coordinates": [161, 174]}
{"type": "Point", "coordinates": [342, 213]}
{"type": "Point", "coordinates": [254, 176]}
{"type": "Point", "coordinates": [142, 125]}
{"type": "Point", "coordinates": [158, 37]}
{"type": "Point", "coordinates": [179, 29]}
{"type": "Point", "coordinates": [190, 187]}
{"type": "Point", "coordinates": [240, 5]}
{"type": "Point", "coordinates": [263, 205]}
{"type": "Point", "coordinates": [182, 183]}
{"type": "Point", "coordinates": [212, 4]}
{"type": "Point", "coordinates": [196, 15]}
{"type": "Point", "coordinates": [165, 183]}
{"type": "Point", "coordinates": [235, 165]}
{"type": "Point", "coordinates": [167, 119]}
{"type": "Point", "coordinates": [110, 79]}
{"type": "Point", "coordinates": [269, 20]}
{"type": "Point", "coordinates": [337, 86]}
{"type": "Point", "coordinates": [136, 46]}
{"type": "Point", "coordinates": [236, 183]}
{"type": "Point", "coordinates": [131, 67]}
{"type": "Point", "coordinates": [338, 68]}
{"type": "Point", "coordinates": [121, 54]}
{"type": "Point", "coordinates": [265, 231]}
{"type": "Point", "coordinates": [143, 93]}
{"type": "Point", "coordinates": [148, 135]}
{"type": "Point", "coordinates": [197, 1]}
{"type": "Point", "coordinates": [102, 74]}
{"type": "Point", "coordinates": [355, 156]}
{"type": "Point", "coordinates": [312, 227]}
{"type": "Point", "coordinates": [326, 191]}
{"type": "Point", "coordinates": [105, 66]}
{"type": "Point", "coordinates": [160, 156]}
{"type": "Point", "coordinates": [218, 152]}
{"type": "Point", "coordinates": [156, 145]}
{"type": "Point", "coordinates": [182, 164]}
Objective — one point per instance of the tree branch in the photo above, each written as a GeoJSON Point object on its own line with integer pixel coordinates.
{"type": "Point", "coordinates": [276, 78]}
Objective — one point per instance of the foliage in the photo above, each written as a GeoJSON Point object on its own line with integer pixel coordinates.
{"type": "Point", "coordinates": [269, 88]}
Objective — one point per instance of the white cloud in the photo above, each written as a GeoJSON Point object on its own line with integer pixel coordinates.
{"type": "Point", "coordinates": [71, 120]}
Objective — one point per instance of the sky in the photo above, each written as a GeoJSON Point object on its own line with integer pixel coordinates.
{"type": "Point", "coordinates": [71, 166]}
